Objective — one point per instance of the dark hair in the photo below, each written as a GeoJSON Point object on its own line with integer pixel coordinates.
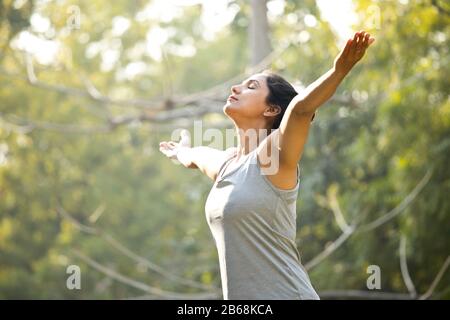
{"type": "Point", "coordinates": [281, 93]}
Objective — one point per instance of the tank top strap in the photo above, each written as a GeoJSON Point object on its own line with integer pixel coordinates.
{"type": "Point", "coordinates": [224, 165]}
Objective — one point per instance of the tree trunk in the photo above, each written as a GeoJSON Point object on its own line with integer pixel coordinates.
{"type": "Point", "coordinates": [259, 32]}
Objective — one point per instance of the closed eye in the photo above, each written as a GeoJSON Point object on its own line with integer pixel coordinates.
{"type": "Point", "coordinates": [252, 84]}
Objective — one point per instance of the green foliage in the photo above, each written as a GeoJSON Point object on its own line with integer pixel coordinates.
{"type": "Point", "coordinates": [370, 153]}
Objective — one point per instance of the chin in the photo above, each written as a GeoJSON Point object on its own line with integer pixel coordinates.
{"type": "Point", "coordinates": [227, 109]}
{"type": "Point", "coordinates": [233, 110]}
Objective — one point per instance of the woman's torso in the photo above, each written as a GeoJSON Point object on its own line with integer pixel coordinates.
{"type": "Point", "coordinates": [254, 226]}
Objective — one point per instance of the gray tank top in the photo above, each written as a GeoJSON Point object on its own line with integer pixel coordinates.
{"type": "Point", "coordinates": [254, 227]}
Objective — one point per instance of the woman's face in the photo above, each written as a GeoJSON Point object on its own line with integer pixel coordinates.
{"type": "Point", "coordinates": [248, 99]}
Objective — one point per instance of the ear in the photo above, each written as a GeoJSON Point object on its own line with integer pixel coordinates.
{"type": "Point", "coordinates": [272, 110]}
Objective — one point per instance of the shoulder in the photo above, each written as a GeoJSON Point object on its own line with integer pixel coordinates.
{"type": "Point", "coordinates": [227, 155]}
{"type": "Point", "coordinates": [230, 152]}
{"type": "Point", "coordinates": [269, 154]}
{"type": "Point", "coordinates": [220, 161]}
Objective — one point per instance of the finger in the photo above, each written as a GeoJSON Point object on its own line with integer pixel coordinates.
{"type": "Point", "coordinates": [360, 41]}
{"type": "Point", "coordinates": [366, 40]}
{"type": "Point", "coordinates": [364, 44]}
{"type": "Point", "coordinates": [359, 36]}
{"type": "Point", "coordinates": [348, 45]}
{"type": "Point", "coordinates": [167, 146]}
{"type": "Point", "coordinates": [164, 149]}
{"type": "Point", "coordinates": [354, 42]}
{"type": "Point", "coordinates": [355, 38]}
{"type": "Point", "coordinates": [371, 40]}
{"type": "Point", "coordinates": [362, 33]}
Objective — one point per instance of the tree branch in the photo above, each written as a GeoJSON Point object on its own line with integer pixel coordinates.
{"type": "Point", "coordinates": [404, 268]}
{"type": "Point", "coordinates": [130, 254]}
{"type": "Point", "coordinates": [22, 124]}
{"type": "Point", "coordinates": [436, 280]}
{"type": "Point", "coordinates": [399, 208]}
{"type": "Point", "coordinates": [347, 232]}
{"type": "Point", "coordinates": [336, 209]}
{"type": "Point", "coordinates": [140, 285]}
{"type": "Point", "coordinates": [330, 249]}
{"type": "Point", "coordinates": [34, 81]}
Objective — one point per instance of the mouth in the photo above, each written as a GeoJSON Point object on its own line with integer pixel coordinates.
{"type": "Point", "coordinates": [232, 98]}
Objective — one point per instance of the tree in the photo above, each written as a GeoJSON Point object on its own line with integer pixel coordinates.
{"type": "Point", "coordinates": [82, 183]}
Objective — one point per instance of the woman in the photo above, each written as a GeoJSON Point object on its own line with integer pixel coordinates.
{"type": "Point", "coordinates": [251, 210]}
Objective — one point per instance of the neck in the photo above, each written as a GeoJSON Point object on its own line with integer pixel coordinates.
{"type": "Point", "coordinates": [250, 136]}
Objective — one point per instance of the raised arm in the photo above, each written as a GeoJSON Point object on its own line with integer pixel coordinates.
{"type": "Point", "coordinates": [291, 137]}
{"type": "Point", "coordinates": [323, 88]}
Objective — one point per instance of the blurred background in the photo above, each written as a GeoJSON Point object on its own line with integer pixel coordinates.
{"type": "Point", "coordinates": [89, 88]}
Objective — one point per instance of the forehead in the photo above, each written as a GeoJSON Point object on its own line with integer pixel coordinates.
{"type": "Point", "coordinates": [260, 77]}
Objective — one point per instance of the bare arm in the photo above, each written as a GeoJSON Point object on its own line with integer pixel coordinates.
{"type": "Point", "coordinates": [318, 92]}
{"type": "Point", "coordinates": [290, 138]}
{"type": "Point", "coordinates": [323, 88]}
{"type": "Point", "coordinates": [207, 160]}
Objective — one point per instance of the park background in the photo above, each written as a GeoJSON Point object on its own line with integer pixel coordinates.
{"type": "Point", "coordinates": [89, 88]}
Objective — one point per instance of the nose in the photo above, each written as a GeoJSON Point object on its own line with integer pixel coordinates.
{"type": "Point", "coordinates": [235, 89]}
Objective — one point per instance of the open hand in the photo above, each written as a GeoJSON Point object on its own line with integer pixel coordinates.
{"type": "Point", "coordinates": [170, 148]}
{"type": "Point", "coordinates": [353, 51]}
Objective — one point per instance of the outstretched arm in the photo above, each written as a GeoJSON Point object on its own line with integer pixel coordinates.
{"type": "Point", "coordinates": [323, 88]}
{"type": "Point", "coordinates": [207, 160]}
{"type": "Point", "coordinates": [288, 141]}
